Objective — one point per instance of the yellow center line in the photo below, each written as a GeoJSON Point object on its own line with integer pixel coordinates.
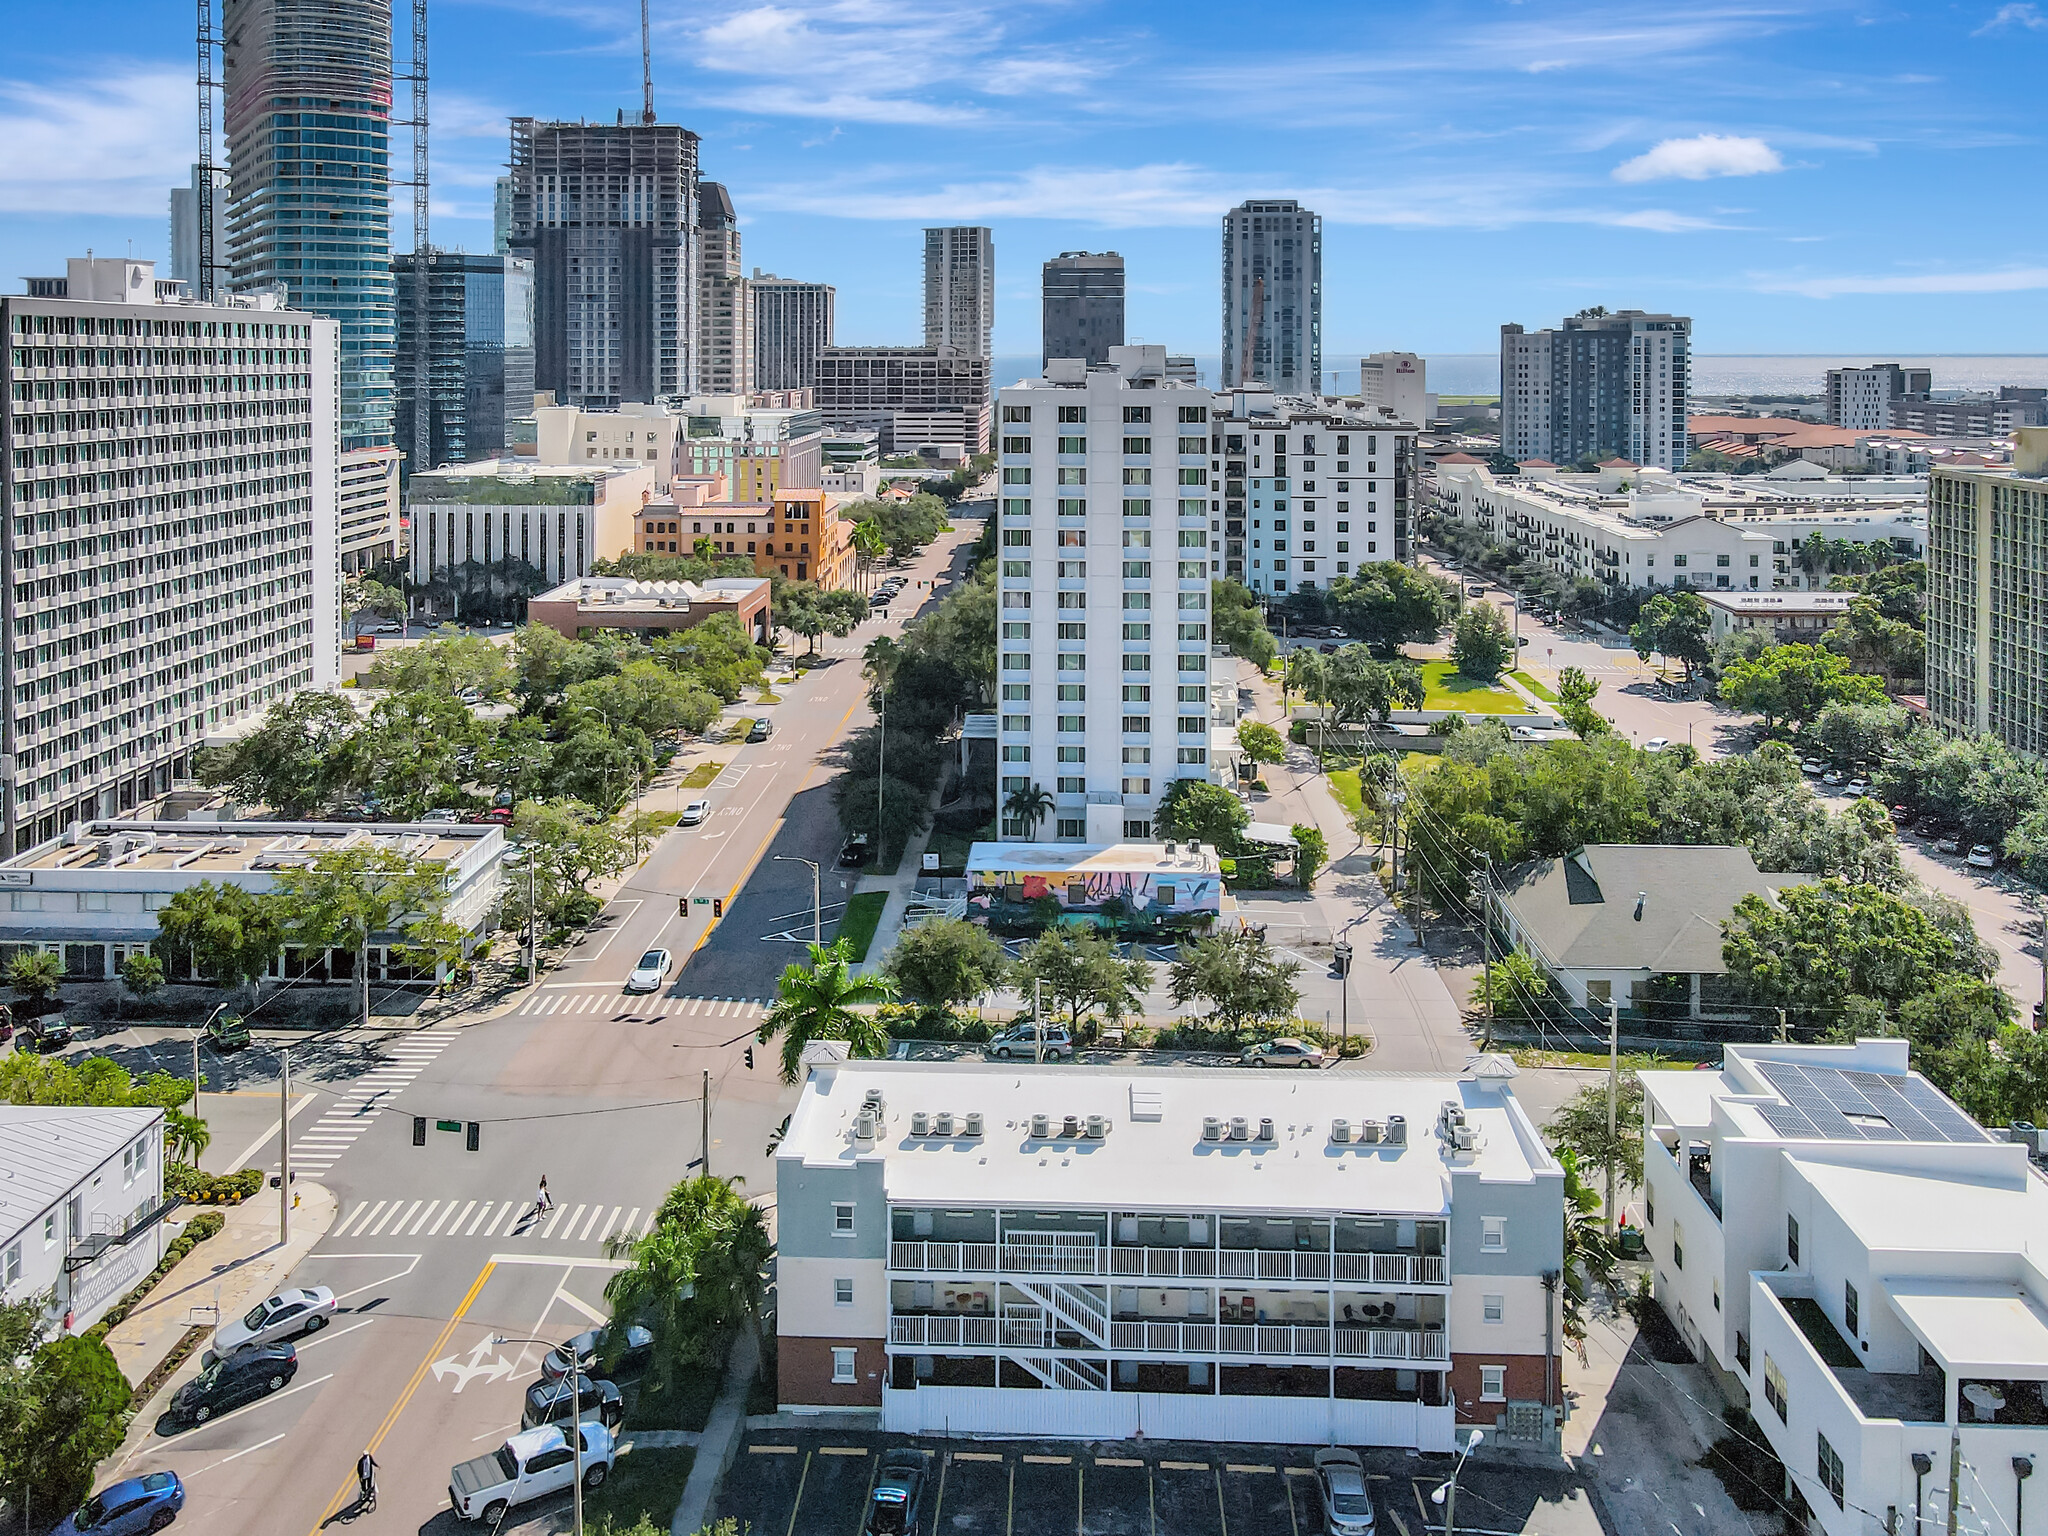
{"type": "Point", "coordinates": [418, 1375]}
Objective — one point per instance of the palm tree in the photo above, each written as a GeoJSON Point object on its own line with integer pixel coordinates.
{"type": "Point", "coordinates": [817, 1002]}
{"type": "Point", "coordinates": [36, 976]}
{"type": "Point", "coordinates": [1030, 805]}
{"type": "Point", "coordinates": [186, 1135]}
{"type": "Point", "coordinates": [730, 1270]}
{"type": "Point", "coordinates": [696, 1275]}
{"type": "Point", "coordinates": [868, 545]}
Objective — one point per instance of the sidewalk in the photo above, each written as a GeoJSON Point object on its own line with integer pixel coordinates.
{"type": "Point", "coordinates": [720, 1438]}
{"type": "Point", "coordinates": [900, 887]}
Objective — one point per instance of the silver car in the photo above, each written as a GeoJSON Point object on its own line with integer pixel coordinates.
{"type": "Point", "coordinates": [287, 1315]}
{"type": "Point", "coordinates": [1340, 1479]}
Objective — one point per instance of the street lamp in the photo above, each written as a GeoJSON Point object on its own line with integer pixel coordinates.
{"type": "Point", "coordinates": [526, 856]}
{"type": "Point", "coordinates": [575, 1435]}
{"type": "Point", "coordinates": [1343, 956]}
{"type": "Point", "coordinates": [1445, 1495]}
{"type": "Point", "coordinates": [817, 912]}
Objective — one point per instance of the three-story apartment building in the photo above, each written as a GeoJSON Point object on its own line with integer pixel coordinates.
{"type": "Point", "coordinates": [1101, 1253]}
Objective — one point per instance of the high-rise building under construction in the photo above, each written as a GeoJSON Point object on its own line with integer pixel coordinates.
{"type": "Point", "coordinates": [308, 126]}
{"type": "Point", "coordinates": [607, 214]}
{"type": "Point", "coordinates": [1273, 296]}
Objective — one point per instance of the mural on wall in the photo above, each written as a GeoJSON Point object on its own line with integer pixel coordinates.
{"type": "Point", "coordinates": [1088, 891]}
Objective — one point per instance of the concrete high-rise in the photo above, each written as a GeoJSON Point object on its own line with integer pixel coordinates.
{"type": "Point", "coordinates": [607, 214]}
{"type": "Point", "coordinates": [960, 289]}
{"type": "Point", "coordinates": [1987, 628]}
{"type": "Point", "coordinates": [1599, 386]}
{"type": "Point", "coordinates": [1861, 398]}
{"type": "Point", "coordinates": [167, 532]}
{"type": "Point", "coordinates": [1397, 382]}
{"type": "Point", "coordinates": [307, 119]}
{"type": "Point", "coordinates": [501, 215]}
{"type": "Point", "coordinates": [1273, 296]}
{"type": "Point", "coordinates": [480, 355]}
{"type": "Point", "coordinates": [725, 299]}
{"type": "Point", "coordinates": [792, 325]}
{"type": "Point", "coordinates": [185, 232]}
{"type": "Point", "coordinates": [1083, 306]}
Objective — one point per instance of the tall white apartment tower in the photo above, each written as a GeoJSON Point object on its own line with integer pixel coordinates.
{"type": "Point", "coordinates": [1273, 296]}
{"type": "Point", "coordinates": [1598, 386]}
{"type": "Point", "coordinates": [960, 288]}
{"type": "Point", "coordinates": [169, 539]}
{"type": "Point", "coordinates": [1104, 644]}
{"type": "Point", "coordinates": [1861, 398]}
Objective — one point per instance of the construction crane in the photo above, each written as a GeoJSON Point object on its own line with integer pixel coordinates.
{"type": "Point", "coordinates": [208, 257]}
{"type": "Point", "coordinates": [646, 69]}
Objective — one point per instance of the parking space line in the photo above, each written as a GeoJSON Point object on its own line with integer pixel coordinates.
{"type": "Point", "coordinates": [1118, 1461]}
{"type": "Point", "coordinates": [1222, 1516]}
{"type": "Point", "coordinates": [1151, 1502]}
{"type": "Point", "coordinates": [978, 1456]}
{"type": "Point", "coordinates": [1080, 1501]}
{"type": "Point", "coordinates": [842, 1450]}
{"type": "Point", "coordinates": [1048, 1461]}
{"type": "Point", "coordinates": [771, 1450]}
{"type": "Point", "coordinates": [867, 1500]}
{"type": "Point", "coordinates": [797, 1504]}
{"type": "Point", "coordinates": [1183, 1466]}
{"type": "Point", "coordinates": [1232, 1466]}
{"type": "Point", "coordinates": [1293, 1524]}
{"type": "Point", "coordinates": [939, 1501]}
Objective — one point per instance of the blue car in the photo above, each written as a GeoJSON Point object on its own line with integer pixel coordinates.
{"type": "Point", "coordinates": [135, 1504]}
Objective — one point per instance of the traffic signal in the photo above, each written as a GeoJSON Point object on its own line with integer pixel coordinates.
{"type": "Point", "coordinates": [717, 907]}
{"type": "Point", "coordinates": [682, 906]}
{"type": "Point", "coordinates": [750, 1058]}
{"type": "Point", "coordinates": [476, 1135]}
{"type": "Point", "coordinates": [419, 1130]}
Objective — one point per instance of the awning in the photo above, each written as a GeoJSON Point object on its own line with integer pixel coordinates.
{"type": "Point", "coordinates": [1270, 832]}
{"type": "Point", "coordinates": [1982, 1327]}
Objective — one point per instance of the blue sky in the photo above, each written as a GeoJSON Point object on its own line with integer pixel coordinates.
{"type": "Point", "coordinates": [1798, 175]}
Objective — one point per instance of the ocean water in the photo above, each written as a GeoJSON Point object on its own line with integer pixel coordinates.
{"type": "Point", "coordinates": [1478, 373]}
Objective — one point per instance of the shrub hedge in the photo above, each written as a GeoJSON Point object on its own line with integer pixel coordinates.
{"type": "Point", "coordinates": [196, 1188]}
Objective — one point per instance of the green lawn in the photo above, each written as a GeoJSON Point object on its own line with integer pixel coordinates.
{"type": "Point", "coordinates": [702, 775]}
{"type": "Point", "coordinates": [739, 730]}
{"type": "Point", "coordinates": [857, 924]}
{"type": "Point", "coordinates": [685, 1405]}
{"type": "Point", "coordinates": [1344, 785]}
{"type": "Point", "coordinates": [646, 1485]}
{"type": "Point", "coordinates": [1448, 689]}
{"type": "Point", "coordinates": [951, 847]}
{"type": "Point", "coordinates": [1528, 681]}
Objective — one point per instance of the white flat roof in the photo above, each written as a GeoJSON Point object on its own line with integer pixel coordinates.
{"type": "Point", "coordinates": [1976, 1327]}
{"type": "Point", "coordinates": [1937, 1211]}
{"type": "Point", "coordinates": [1153, 1156]}
{"type": "Point", "coordinates": [1084, 858]}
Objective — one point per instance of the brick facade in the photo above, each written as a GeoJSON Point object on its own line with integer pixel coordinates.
{"type": "Point", "coordinates": [1524, 1384]}
{"type": "Point", "coordinates": [804, 1373]}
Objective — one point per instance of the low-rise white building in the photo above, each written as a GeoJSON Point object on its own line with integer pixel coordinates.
{"type": "Point", "coordinates": [81, 1206]}
{"type": "Point", "coordinates": [1790, 617]}
{"type": "Point", "coordinates": [1629, 527]}
{"type": "Point", "coordinates": [1862, 1263]}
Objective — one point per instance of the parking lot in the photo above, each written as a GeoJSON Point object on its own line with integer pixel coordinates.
{"type": "Point", "coordinates": [789, 1481]}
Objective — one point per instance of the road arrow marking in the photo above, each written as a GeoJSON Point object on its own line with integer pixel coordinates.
{"type": "Point", "coordinates": [466, 1371]}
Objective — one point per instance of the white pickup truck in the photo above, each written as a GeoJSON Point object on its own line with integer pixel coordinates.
{"type": "Point", "coordinates": [531, 1465]}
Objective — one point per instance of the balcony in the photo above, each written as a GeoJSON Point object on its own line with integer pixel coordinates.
{"type": "Point", "coordinates": [919, 1330]}
{"type": "Point", "coordinates": [944, 1258]}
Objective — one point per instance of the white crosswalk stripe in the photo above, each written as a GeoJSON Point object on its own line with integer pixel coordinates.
{"type": "Point", "coordinates": [315, 1147]}
{"type": "Point", "coordinates": [579, 1223]}
{"type": "Point", "coordinates": [639, 1007]}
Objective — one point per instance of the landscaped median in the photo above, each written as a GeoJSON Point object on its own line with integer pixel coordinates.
{"type": "Point", "coordinates": [857, 924]}
{"type": "Point", "coordinates": [1448, 688]}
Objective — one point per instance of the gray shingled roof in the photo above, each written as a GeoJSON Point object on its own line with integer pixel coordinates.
{"type": "Point", "coordinates": [1581, 909]}
{"type": "Point", "coordinates": [46, 1151]}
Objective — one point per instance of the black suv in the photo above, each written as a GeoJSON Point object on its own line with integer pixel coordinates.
{"type": "Point", "coordinates": [549, 1402]}
{"type": "Point", "coordinates": [229, 1383]}
{"type": "Point", "coordinates": [897, 1503]}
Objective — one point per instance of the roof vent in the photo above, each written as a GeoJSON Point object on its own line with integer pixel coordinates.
{"type": "Point", "coordinates": [942, 1123]}
{"type": "Point", "coordinates": [1041, 1127]}
{"type": "Point", "coordinates": [920, 1123]}
{"type": "Point", "coordinates": [1098, 1127]}
{"type": "Point", "coordinates": [1340, 1130]}
{"type": "Point", "coordinates": [974, 1122]}
{"type": "Point", "coordinates": [1212, 1128]}
{"type": "Point", "coordinates": [1369, 1132]}
{"type": "Point", "coordinates": [1070, 1125]}
{"type": "Point", "coordinates": [1397, 1130]}
{"type": "Point", "coordinates": [1240, 1128]}
{"type": "Point", "coordinates": [1265, 1130]}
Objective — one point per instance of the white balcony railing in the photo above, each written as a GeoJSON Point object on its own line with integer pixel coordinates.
{"type": "Point", "coordinates": [943, 1331]}
{"type": "Point", "coordinates": [1063, 1253]}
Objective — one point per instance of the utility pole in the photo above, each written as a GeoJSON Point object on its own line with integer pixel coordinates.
{"type": "Point", "coordinates": [284, 1150]}
{"type": "Point", "coordinates": [1613, 1089]}
{"type": "Point", "coordinates": [704, 1109]}
{"type": "Point", "coordinates": [817, 909]}
{"type": "Point", "coordinates": [1486, 956]}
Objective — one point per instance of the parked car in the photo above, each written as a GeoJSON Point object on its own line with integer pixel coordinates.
{"type": "Point", "coordinates": [227, 1032]}
{"type": "Point", "coordinates": [1656, 744]}
{"type": "Point", "coordinates": [856, 851]}
{"type": "Point", "coordinates": [1475, 591]}
{"type": "Point", "coordinates": [1347, 1502]}
{"type": "Point", "coordinates": [440, 814]}
{"type": "Point", "coordinates": [695, 812]}
{"type": "Point", "coordinates": [1813, 767]}
{"type": "Point", "coordinates": [551, 1402]}
{"type": "Point", "coordinates": [43, 1035]}
{"type": "Point", "coordinates": [1948, 843]}
{"type": "Point", "coordinates": [1903, 816]}
{"type": "Point", "coordinates": [1834, 776]}
{"type": "Point", "coordinates": [229, 1383]}
{"type": "Point", "coordinates": [1982, 857]}
{"type": "Point", "coordinates": [1283, 1052]}
{"type": "Point", "coordinates": [531, 1465]}
{"type": "Point", "coordinates": [1858, 788]}
{"type": "Point", "coordinates": [287, 1315]}
{"type": "Point", "coordinates": [588, 1349]}
{"type": "Point", "coordinates": [649, 974]}
{"type": "Point", "coordinates": [896, 1506]}
{"type": "Point", "coordinates": [387, 629]}
{"type": "Point", "coordinates": [761, 732]}
{"type": "Point", "coordinates": [135, 1504]}
{"type": "Point", "coordinates": [1022, 1040]}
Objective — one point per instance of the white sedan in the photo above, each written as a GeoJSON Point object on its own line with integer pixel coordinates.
{"type": "Point", "coordinates": [1657, 744]}
{"type": "Point", "coordinates": [1282, 1053]}
{"type": "Point", "coordinates": [1981, 857]}
{"type": "Point", "coordinates": [695, 812]}
{"type": "Point", "coordinates": [649, 974]}
{"type": "Point", "coordinates": [286, 1315]}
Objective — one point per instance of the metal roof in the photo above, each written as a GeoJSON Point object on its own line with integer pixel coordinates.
{"type": "Point", "coordinates": [46, 1151]}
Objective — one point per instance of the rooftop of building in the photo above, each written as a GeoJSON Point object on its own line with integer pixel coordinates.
{"type": "Point", "coordinates": [1641, 502]}
{"type": "Point", "coordinates": [240, 847]}
{"type": "Point", "coordinates": [1152, 1153]}
{"type": "Point", "coordinates": [48, 1150]}
{"type": "Point", "coordinates": [617, 594]}
{"type": "Point", "coordinates": [1749, 603]}
{"type": "Point", "coordinates": [1087, 859]}
{"type": "Point", "coordinates": [497, 480]}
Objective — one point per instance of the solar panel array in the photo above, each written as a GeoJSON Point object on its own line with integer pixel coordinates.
{"type": "Point", "coordinates": [1821, 1101]}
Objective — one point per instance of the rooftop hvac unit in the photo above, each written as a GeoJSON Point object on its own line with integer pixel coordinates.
{"type": "Point", "coordinates": [974, 1122]}
{"type": "Point", "coordinates": [1240, 1128]}
{"type": "Point", "coordinates": [1265, 1130]}
{"type": "Point", "coordinates": [1098, 1127]}
{"type": "Point", "coordinates": [873, 1100]}
{"type": "Point", "coordinates": [1212, 1128]}
{"type": "Point", "coordinates": [1464, 1138]}
{"type": "Point", "coordinates": [920, 1123]}
{"type": "Point", "coordinates": [1340, 1130]}
{"type": "Point", "coordinates": [942, 1123]}
{"type": "Point", "coordinates": [1397, 1130]}
{"type": "Point", "coordinates": [1369, 1132]}
{"type": "Point", "coordinates": [1070, 1125]}
{"type": "Point", "coordinates": [1041, 1127]}
{"type": "Point", "coordinates": [864, 1126]}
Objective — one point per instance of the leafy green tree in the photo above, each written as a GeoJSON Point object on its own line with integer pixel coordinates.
{"type": "Point", "coordinates": [1260, 742]}
{"type": "Point", "coordinates": [96, 1081]}
{"type": "Point", "coordinates": [821, 1001]}
{"type": "Point", "coordinates": [80, 1413]}
{"type": "Point", "coordinates": [348, 896]}
{"type": "Point", "coordinates": [1239, 976]}
{"type": "Point", "coordinates": [517, 759]}
{"type": "Point", "coordinates": [1198, 811]}
{"type": "Point", "coordinates": [1360, 690]}
{"type": "Point", "coordinates": [296, 762]}
{"type": "Point", "coordinates": [961, 632]}
{"type": "Point", "coordinates": [142, 976]}
{"type": "Point", "coordinates": [1574, 686]}
{"type": "Point", "coordinates": [1580, 1126]}
{"type": "Point", "coordinates": [447, 661]}
{"type": "Point", "coordinates": [600, 766]}
{"type": "Point", "coordinates": [642, 696]}
{"type": "Point", "coordinates": [890, 816]}
{"type": "Point", "coordinates": [1387, 605]}
{"type": "Point", "coordinates": [21, 1329]}
{"type": "Point", "coordinates": [1515, 990]}
{"type": "Point", "coordinates": [1311, 853]}
{"type": "Point", "coordinates": [37, 975]}
{"type": "Point", "coordinates": [1589, 1258]}
{"type": "Point", "coordinates": [1675, 625]}
{"type": "Point", "coordinates": [1792, 684]}
{"type": "Point", "coordinates": [186, 1136]}
{"type": "Point", "coordinates": [1861, 733]}
{"type": "Point", "coordinates": [220, 932]}
{"type": "Point", "coordinates": [1240, 624]}
{"type": "Point", "coordinates": [571, 843]}
{"type": "Point", "coordinates": [1083, 972]}
{"type": "Point", "coordinates": [946, 960]}
{"type": "Point", "coordinates": [415, 752]}
{"type": "Point", "coordinates": [716, 655]}
{"type": "Point", "coordinates": [1480, 642]}
{"type": "Point", "coordinates": [694, 1279]}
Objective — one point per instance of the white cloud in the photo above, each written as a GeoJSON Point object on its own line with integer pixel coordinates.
{"type": "Point", "coordinates": [2013, 16]}
{"type": "Point", "coordinates": [2008, 280]}
{"type": "Point", "coordinates": [111, 143]}
{"type": "Point", "coordinates": [1700, 157]}
{"type": "Point", "coordinates": [1661, 221]}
